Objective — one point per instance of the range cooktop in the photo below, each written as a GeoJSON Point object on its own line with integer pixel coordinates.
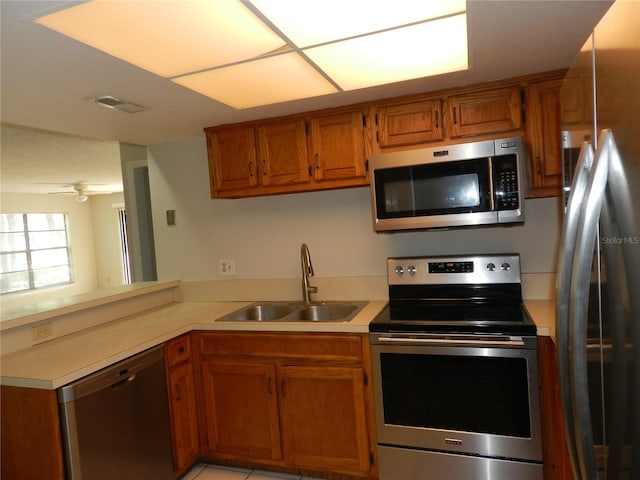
{"type": "Point", "coordinates": [461, 294]}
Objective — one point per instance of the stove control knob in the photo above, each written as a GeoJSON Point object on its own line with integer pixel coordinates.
{"type": "Point", "coordinates": [491, 266]}
{"type": "Point", "coordinates": [399, 270]}
{"type": "Point", "coordinates": [412, 270]}
{"type": "Point", "coordinates": [505, 266]}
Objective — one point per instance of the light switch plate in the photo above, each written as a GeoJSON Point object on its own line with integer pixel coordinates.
{"type": "Point", "coordinates": [171, 217]}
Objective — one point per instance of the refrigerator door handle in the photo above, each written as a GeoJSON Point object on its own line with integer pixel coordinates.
{"type": "Point", "coordinates": [563, 286]}
{"type": "Point", "coordinates": [578, 306]}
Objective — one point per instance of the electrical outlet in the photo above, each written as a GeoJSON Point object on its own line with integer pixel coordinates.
{"type": "Point", "coordinates": [41, 331]}
{"type": "Point", "coordinates": [227, 267]}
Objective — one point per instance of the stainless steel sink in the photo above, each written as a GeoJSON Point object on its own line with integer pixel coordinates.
{"type": "Point", "coordinates": [324, 312]}
{"type": "Point", "coordinates": [336, 311]}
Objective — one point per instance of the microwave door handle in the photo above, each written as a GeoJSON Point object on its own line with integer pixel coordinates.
{"type": "Point", "coordinates": [578, 306]}
{"type": "Point", "coordinates": [492, 186]}
{"type": "Point", "coordinates": [563, 285]}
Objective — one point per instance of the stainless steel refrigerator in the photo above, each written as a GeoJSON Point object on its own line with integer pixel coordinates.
{"type": "Point", "coordinates": [598, 283]}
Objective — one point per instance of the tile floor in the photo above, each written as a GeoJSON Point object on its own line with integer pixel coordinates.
{"type": "Point", "coordinates": [213, 472]}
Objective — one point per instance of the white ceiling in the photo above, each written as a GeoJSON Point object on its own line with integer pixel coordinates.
{"type": "Point", "coordinates": [48, 80]}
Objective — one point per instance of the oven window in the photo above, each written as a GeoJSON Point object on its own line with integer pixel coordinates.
{"type": "Point", "coordinates": [463, 393]}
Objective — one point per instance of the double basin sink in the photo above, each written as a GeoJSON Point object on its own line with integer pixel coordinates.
{"type": "Point", "coordinates": [336, 311]}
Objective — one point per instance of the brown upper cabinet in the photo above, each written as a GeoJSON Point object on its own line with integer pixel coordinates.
{"type": "Point", "coordinates": [293, 154]}
{"type": "Point", "coordinates": [232, 159]}
{"type": "Point", "coordinates": [282, 154]}
{"type": "Point", "coordinates": [336, 146]}
{"type": "Point", "coordinates": [328, 149]}
{"type": "Point", "coordinates": [543, 135]}
{"type": "Point", "coordinates": [488, 111]}
{"type": "Point", "coordinates": [409, 123]}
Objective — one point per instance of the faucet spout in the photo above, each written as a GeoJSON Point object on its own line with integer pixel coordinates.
{"type": "Point", "coordinates": [307, 271]}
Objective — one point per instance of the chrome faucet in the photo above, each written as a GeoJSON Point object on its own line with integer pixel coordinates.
{"type": "Point", "coordinates": [307, 271]}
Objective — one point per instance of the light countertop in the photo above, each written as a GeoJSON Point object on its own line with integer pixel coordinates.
{"type": "Point", "coordinates": [55, 363]}
{"type": "Point", "coordinates": [58, 362]}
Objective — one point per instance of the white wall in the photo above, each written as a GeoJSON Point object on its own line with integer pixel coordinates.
{"type": "Point", "coordinates": [264, 234]}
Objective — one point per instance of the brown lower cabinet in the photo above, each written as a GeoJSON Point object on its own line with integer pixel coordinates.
{"type": "Point", "coordinates": [557, 465]}
{"type": "Point", "coordinates": [31, 445]}
{"type": "Point", "coordinates": [298, 403]}
{"type": "Point", "coordinates": [181, 388]}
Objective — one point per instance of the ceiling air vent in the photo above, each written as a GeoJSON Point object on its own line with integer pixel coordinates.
{"type": "Point", "coordinates": [118, 104]}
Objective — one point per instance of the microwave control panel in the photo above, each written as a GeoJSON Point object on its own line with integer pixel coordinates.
{"type": "Point", "coordinates": [506, 189]}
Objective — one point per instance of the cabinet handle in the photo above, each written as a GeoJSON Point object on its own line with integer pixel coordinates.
{"type": "Point", "coordinates": [317, 163]}
{"type": "Point", "coordinates": [282, 391]}
{"type": "Point", "coordinates": [178, 392]}
{"type": "Point", "coordinates": [250, 169]}
{"type": "Point", "coordinates": [269, 385]}
{"type": "Point", "coordinates": [181, 349]}
{"type": "Point", "coordinates": [436, 116]}
{"type": "Point", "coordinates": [264, 168]}
{"type": "Point", "coordinates": [455, 119]}
{"type": "Point", "coordinates": [539, 164]}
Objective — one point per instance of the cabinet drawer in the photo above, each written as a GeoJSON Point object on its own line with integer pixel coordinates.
{"type": "Point", "coordinates": [282, 347]}
{"type": "Point", "coordinates": [178, 350]}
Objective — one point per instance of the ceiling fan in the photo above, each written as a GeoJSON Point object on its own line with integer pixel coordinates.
{"type": "Point", "coordinates": [81, 191]}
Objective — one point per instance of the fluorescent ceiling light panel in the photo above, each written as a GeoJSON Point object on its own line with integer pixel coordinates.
{"type": "Point", "coordinates": [168, 38]}
{"type": "Point", "coordinates": [308, 23]}
{"type": "Point", "coordinates": [274, 79]}
{"type": "Point", "coordinates": [223, 50]}
{"type": "Point", "coordinates": [421, 50]}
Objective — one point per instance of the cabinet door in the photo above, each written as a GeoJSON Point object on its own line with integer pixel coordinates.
{"type": "Point", "coordinates": [232, 159]}
{"type": "Point", "coordinates": [543, 132]}
{"type": "Point", "coordinates": [409, 124]}
{"type": "Point", "coordinates": [184, 416]}
{"type": "Point", "coordinates": [490, 111]}
{"type": "Point", "coordinates": [324, 424]}
{"type": "Point", "coordinates": [337, 146]}
{"type": "Point", "coordinates": [282, 153]}
{"type": "Point", "coordinates": [241, 410]}
{"type": "Point", "coordinates": [30, 432]}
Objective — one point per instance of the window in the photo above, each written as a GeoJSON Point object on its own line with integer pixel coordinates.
{"type": "Point", "coordinates": [34, 251]}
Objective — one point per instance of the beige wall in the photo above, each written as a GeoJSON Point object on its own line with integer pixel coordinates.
{"type": "Point", "coordinates": [264, 234]}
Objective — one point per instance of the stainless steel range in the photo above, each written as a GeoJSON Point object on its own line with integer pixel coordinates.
{"type": "Point", "coordinates": [455, 372]}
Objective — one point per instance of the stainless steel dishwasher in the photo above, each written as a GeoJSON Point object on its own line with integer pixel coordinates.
{"type": "Point", "coordinates": [115, 422]}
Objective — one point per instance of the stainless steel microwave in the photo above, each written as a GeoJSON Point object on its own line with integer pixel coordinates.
{"type": "Point", "coordinates": [467, 184]}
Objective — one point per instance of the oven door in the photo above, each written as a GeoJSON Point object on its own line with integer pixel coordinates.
{"type": "Point", "coordinates": [458, 394]}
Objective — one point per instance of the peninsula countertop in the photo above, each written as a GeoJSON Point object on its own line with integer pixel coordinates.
{"type": "Point", "coordinates": [55, 363]}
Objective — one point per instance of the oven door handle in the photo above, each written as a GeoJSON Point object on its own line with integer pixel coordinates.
{"type": "Point", "coordinates": [515, 342]}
